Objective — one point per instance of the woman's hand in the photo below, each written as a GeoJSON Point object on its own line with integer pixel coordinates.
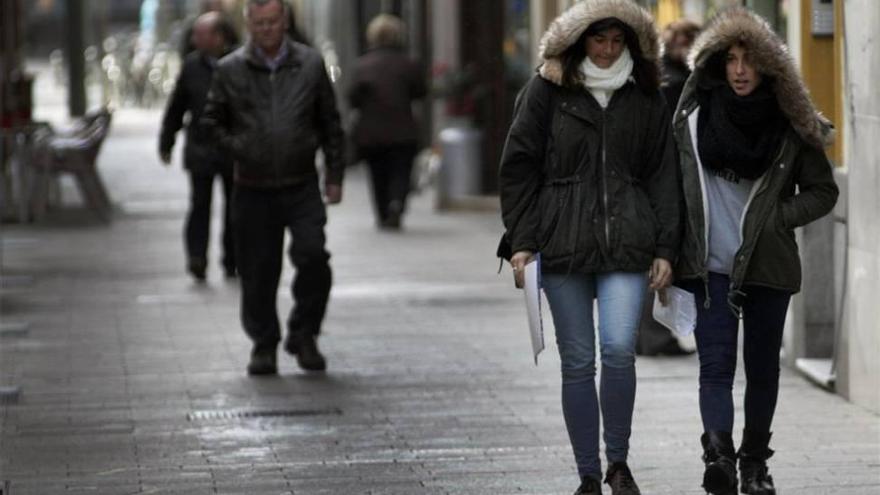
{"type": "Point", "coordinates": [661, 274]}
{"type": "Point", "coordinates": [518, 261]}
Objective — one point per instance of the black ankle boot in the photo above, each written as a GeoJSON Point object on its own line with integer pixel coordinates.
{"type": "Point", "coordinates": [753, 455]}
{"type": "Point", "coordinates": [305, 348]}
{"type": "Point", "coordinates": [719, 478]}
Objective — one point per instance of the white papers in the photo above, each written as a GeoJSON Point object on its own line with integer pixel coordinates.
{"type": "Point", "coordinates": [532, 291]}
{"type": "Point", "coordinates": [680, 312]}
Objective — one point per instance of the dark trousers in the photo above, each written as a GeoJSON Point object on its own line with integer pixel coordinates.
{"type": "Point", "coordinates": [716, 334]}
{"type": "Point", "coordinates": [197, 229]}
{"type": "Point", "coordinates": [391, 173]}
{"type": "Point", "coordinates": [261, 217]}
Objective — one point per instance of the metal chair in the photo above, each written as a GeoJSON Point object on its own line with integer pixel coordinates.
{"type": "Point", "coordinates": [74, 152]}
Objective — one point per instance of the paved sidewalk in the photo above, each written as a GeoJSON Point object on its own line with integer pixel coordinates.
{"type": "Point", "coordinates": [133, 377]}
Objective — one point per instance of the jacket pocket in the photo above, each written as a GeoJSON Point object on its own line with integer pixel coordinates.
{"type": "Point", "coordinates": [638, 222]}
{"type": "Point", "coordinates": [775, 260]}
{"type": "Point", "coordinates": [558, 220]}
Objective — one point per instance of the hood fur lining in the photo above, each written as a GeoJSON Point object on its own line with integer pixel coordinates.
{"type": "Point", "coordinates": [771, 58]}
{"type": "Point", "coordinates": [568, 27]}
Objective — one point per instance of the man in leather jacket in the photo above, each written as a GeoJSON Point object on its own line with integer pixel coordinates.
{"type": "Point", "coordinates": [271, 106]}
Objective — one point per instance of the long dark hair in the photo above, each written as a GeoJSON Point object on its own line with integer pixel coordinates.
{"type": "Point", "coordinates": [645, 72]}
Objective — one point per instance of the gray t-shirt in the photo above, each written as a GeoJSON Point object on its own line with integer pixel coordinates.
{"type": "Point", "coordinates": [726, 196]}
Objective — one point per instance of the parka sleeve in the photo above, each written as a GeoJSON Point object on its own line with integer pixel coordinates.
{"type": "Point", "coordinates": [172, 121]}
{"type": "Point", "coordinates": [661, 181]}
{"type": "Point", "coordinates": [817, 191]}
{"type": "Point", "coordinates": [522, 162]}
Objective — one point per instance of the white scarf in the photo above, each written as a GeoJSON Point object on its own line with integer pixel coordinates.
{"type": "Point", "coordinates": [602, 83]}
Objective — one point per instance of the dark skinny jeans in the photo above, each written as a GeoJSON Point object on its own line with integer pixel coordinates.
{"type": "Point", "coordinates": [716, 334]}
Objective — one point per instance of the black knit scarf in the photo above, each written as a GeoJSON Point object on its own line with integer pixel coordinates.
{"type": "Point", "coordinates": [739, 133]}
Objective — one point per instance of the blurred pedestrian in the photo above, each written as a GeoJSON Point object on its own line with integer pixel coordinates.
{"type": "Point", "coordinates": [186, 43]}
{"type": "Point", "coordinates": [753, 169]}
{"type": "Point", "coordinates": [385, 82]}
{"type": "Point", "coordinates": [654, 339]}
{"type": "Point", "coordinates": [272, 105]}
{"type": "Point", "coordinates": [677, 40]}
{"type": "Point", "coordinates": [588, 180]}
{"type": "Point", "coordinates": [201, 157]}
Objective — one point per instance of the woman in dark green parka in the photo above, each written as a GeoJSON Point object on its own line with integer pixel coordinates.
{"type": "Point", "coordinates": [753, 169]}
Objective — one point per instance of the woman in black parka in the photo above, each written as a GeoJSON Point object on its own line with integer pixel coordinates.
{"type": "Point", "coordinates": [588, 181]}
{"type": "Point", "coordinates": [753, 169]}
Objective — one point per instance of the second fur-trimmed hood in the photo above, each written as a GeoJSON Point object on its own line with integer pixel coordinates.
{"type": "Point", "coordinates": [771, 57]}
{"type": "Point", "coordinates": [568, 27]}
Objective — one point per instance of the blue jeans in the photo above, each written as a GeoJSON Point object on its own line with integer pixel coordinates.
{"type": "Point", "coordinates": [620, 297]}
{"type": "Point", "coordinates": [716, 333]}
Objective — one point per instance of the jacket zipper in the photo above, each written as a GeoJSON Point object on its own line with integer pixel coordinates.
{"type": "Point", "coordinates": [274, 123]}
{"type": "Point", "coordinates": [762, 183]}
{"type": "Point", "coordinates": [692, 130]}
{"type": "Point", "coordinates": [605, 185]}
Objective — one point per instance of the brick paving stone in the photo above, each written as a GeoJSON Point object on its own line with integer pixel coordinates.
{"type": "Point", "coordinates": [130, 372]}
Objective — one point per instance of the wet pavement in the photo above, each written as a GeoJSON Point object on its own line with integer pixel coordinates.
{"type": "Point", "coordinates": [132, 376]}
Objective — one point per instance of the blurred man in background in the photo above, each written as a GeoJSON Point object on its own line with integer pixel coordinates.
{"type": "Point", "coordinates": [202, 158]}
{"type": "Point", "coordinates": [271, 106]}
{"type": "Point", "coordinates": [187, 45]}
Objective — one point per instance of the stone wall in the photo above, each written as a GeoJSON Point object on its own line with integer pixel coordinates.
{"type": "Point", "coordinates": [858, 365]}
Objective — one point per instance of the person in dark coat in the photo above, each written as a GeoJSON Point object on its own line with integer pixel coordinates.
{"type": "Point", "coordinates": [385, 82]}
{"type": "Point", "coordinates": [753, 167]}
{"type": "Point", "coordinates": [678, 37]}
{"type": "Point", "coordinates": [202, 158]}
{"type": "Point", "coordinates": [655, 339]}
{"type": "Point", "coordinates": [589, 182]}
{"type": "Point", "coordinates": [271, 106]}
{"type": "Point", "coordinates": [187, 45]}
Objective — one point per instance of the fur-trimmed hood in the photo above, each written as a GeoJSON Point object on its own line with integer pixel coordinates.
{"type": "Point", "coordinates": [771, 58]}
{"type": "Point", "coordinates": [568, 27]}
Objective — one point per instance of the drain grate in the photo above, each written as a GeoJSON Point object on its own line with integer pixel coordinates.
{"type": "Point", "coordinates": [9, 394]}
{"type": "Point", "coordinates": [250, 413]}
